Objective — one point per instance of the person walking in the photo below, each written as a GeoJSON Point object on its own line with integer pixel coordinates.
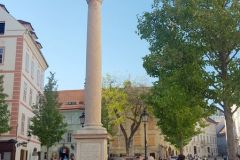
{"type": "Point", "coordinates": [181, 157]}
{"type": "Point", "coordinates": [151, 157]}
{"type": "Point", "coordinates": [72, 157]}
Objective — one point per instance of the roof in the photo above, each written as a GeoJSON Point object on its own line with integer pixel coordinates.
{"type": "Point", "coordinates": [71, 99]}
{"type": "Point", "coordinates": [211, 120]}
{"type": "Point", "coordinates": [3, 7]}
{"type": "Point", "coordinates": [26, 24]}
{"type": "Point", "coordinates": [33, 36]}
{"type": "Point", "coordinates": [222, 130]}
{"type": "Point", "coordinates": [39, 44]}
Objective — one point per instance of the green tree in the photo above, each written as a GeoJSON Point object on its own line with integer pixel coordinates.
{"type": "Point", "coordinates": [212, 31]}
{"type": "Point", "coordinates": [179, 117]}
{"type": "Point", "coordinates": [4, 113]}
{"type": "Point", "coordinates": [48, 123]}
{"type": "Point", "coordinates": [124, 105]}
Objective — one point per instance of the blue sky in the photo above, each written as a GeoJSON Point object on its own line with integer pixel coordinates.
{"type": "Point", "coordinates": [61, 27]}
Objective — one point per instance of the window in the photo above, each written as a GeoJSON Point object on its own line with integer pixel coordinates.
{"type": "Point", "coordinates": [1, 55]}
{"type": "Point", "coordinates": [195, 150]}
{"type": "Point", "coordinates": [30, 97]}
{"type": "Point", "coordinates": [38, 77]}
{"type": "Point", "coordinates": [42, 81]}
{"type": "Point", "coordinates": [208, 149]}
{"type": "Point", "coordinates": [27, 62]}
{"type": "Point", "coordinates": [69, 119]}
{"type": "Point", "coordinates": [32, 69]}
{"type": "Point", "coordinates": [2, 27]}
{"type": "Point", "coordinates": [37, 98]}
{"type": "Point", "coordinates": [28, 124]}
{"type": "Point", "coordinates": [71, 103]}
{"type": "Point", "coordinates": [24, 91]}
{"type": "Point", "coordinates": [22, 124]}
{"type": "Point", "coordinates": [69, 137]}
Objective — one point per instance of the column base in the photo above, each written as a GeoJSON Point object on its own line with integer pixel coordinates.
{"type": "Point", "coordinates": [91, 143]}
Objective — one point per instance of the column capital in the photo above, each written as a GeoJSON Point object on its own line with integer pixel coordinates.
{"type": "Point", "coordinates": [100, 1]}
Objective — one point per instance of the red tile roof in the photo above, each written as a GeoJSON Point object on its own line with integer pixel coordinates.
{"type": "Point", "coordinates": [71, 99]}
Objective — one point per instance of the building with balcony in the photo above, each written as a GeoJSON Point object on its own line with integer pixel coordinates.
{"type": "Point", "coordinates": [23, 65]}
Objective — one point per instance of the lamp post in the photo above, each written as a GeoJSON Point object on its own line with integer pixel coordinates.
{"type": "Point", "coordinates": [145, 119]}
{"type": "Point", "coordinates": [29, 136]}
{"type": "Point", "coordinates": [82, 119]}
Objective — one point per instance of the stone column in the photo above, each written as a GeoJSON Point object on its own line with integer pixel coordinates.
{"type": "Point", "coordinates": [93, 65]}
{"type": "Point", "coordinates": [92, 139]}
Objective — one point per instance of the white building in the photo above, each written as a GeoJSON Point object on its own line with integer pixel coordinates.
{"type": "Point", "coordinates": [72, 107]}
{"type": "Point", "coordinates": [236, 120]}
{"type": "Point", "coordinates": [222, 133]}
{"type": "Point", "coordinates": [204, 144]}
{"type": "Point", "coordinates": [23, 67]}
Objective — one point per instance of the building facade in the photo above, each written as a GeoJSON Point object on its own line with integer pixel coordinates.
{"type": "Point", "coordinates": [236, 120]}
{"type": "Point", "coordinates": [222, 132]}
{"type": "Point", "coordinates": [72, 107]}
{"type": "Point", "coordinates": [204, 144]}
{"type": "Point", "coordinates": [23, 65]}
{"type": "Point", "coordinates": [156, 145]}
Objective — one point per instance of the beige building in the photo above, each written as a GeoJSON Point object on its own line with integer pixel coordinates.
{"type": "Point", "coordinates": [203, 145]}
{"type": "Point", "coordinates": [156, 145]}
{"type": "Point", "coordinates": [23, 66]}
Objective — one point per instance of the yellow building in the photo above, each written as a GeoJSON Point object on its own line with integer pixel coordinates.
{"type": "Point", "coordinates": [202, 145]}
{"type": "Point", "coordinates": [156, 145]}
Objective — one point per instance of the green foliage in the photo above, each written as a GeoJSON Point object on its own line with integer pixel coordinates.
{"type": "Point", "coordinates": [122, 107]}
{"type": "Point", "coordinates": [178, 59]}
{"type": "Point", "coordinates": [113, 101]}
{"type": "Point", "coordinates": [48, 123]}
{"type": "Point", "coordinates": [4, 113]}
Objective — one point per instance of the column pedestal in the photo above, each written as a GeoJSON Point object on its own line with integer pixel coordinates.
{"type": "Point", "coordinates": [91, 144]}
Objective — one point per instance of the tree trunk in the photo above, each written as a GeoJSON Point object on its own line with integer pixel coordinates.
{"type": "Point", "coordinates": [181, 144]}
{"type": "Point", "coordinates": [47, 152]}
{"type": "Point", "coordinates": [181, 149]}
{"type": "Point", "coordinates": [127, 147]}
{"type": "Point", "coordinates": [230, 135]}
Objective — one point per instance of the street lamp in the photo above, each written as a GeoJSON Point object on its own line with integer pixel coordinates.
{"type": "Point", "coordinates": [29, 135]}
{"type": "Point", "coordinates": [145, 119]}
{"type": "Point", "coordinates": [82, 119]}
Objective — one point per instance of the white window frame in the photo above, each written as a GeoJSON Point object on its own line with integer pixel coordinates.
{"type": "Point", "coordinates": [25, 91]}
{"type": "Point", "coordinates": [2, 54]}
{"type": "Point", "coordinates": [23, 124]}
{"type": "Point", "coordinates": [27, 62]}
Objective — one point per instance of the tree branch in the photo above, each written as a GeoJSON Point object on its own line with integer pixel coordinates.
{"type": "Point", "coordinates": [232, 56]}
{"type": "Point", "coordinates": [218, 107]}
{"type": "Point", "coordinates": [235, 110]}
